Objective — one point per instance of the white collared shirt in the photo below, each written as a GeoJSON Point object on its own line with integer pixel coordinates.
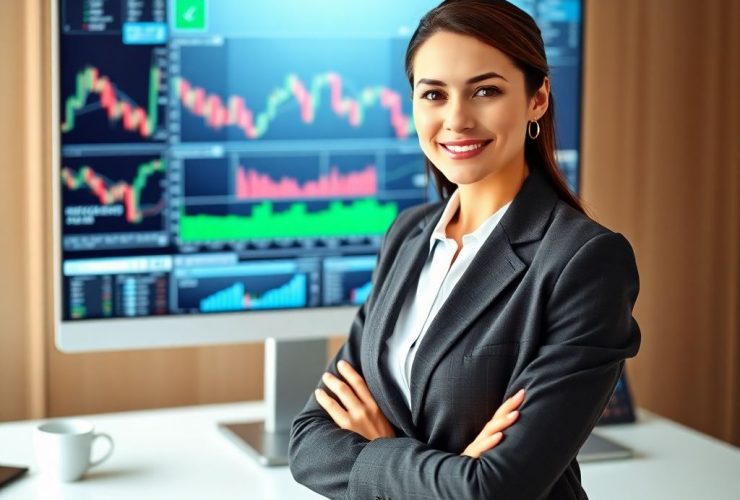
{"type": "Point", "coordinates": [437, 279]}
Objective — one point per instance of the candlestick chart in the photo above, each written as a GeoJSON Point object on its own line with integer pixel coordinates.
{"type": "Point", "coordinates": [112, 195]}
{"type": "Point", "coordinates": [105, 102]}
{"type": "Point", "coordinates": [291, 93]}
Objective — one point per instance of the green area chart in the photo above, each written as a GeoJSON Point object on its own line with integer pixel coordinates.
{"type": "Point", "coordinates": [359, 218]}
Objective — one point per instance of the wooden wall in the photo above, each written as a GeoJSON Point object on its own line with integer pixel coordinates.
{"type": "Point", "coordinates": [14, 362]}
{"type": "Point", "coordinates": [661, 164]}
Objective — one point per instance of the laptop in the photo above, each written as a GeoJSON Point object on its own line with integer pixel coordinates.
{"type": "Point", "coordinates": [619, 410]}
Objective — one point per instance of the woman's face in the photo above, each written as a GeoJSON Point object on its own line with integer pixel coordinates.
{"type": "Point", "coordinates": [470, 108]}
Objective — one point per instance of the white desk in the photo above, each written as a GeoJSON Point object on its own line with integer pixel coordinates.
{"type": "Point", "coordinates": [180, 454]}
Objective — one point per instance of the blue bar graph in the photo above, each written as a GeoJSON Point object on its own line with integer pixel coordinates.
{"type": "Point", "coordinates": [236, 298]}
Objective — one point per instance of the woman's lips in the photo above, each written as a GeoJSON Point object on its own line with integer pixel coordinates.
{"type": "Point", "coordinates": [462, 150]}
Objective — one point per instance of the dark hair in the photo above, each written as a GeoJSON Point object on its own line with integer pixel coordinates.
{"type": "Point", "coordinates": [509, 29]}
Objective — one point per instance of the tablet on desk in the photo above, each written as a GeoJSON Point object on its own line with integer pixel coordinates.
{"type": "Point", "coordinates": [619, 410]}
{"type": "Point", "coordinates": [600, 448]}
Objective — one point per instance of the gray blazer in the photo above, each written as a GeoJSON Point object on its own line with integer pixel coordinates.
{"type": "Point", "coordinates": [545, 305]}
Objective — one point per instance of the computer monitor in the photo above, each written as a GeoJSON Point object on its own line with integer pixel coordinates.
{"type": "Point", "coordinates": [224, 170]}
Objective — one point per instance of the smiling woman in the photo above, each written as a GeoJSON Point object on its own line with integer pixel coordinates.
{"type": "Point", "coordinates": [510, 39]}
{"type": "Point", "coordinates": [471, 115]}
{"type": "Point", "coordinates": [499, 318]}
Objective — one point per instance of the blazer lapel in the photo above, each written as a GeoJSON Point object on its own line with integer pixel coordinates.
{"type": "Point", "coordinates": [495, 266]}
{"type": "Point", "coordinates": [405, 271]}
{"type": "Point", "coordinates": [491, 271]}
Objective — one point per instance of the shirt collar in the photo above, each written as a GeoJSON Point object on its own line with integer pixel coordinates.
{"type": "Point", "coordinates": [440, 230]}
{"type": "Point", "coordinates": [479, 235]}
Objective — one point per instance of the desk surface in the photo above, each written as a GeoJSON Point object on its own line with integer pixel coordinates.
{"type": "Point", "coordinates": [180, 453]}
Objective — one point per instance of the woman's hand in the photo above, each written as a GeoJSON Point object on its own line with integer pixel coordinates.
{"type": "Point", "coordinates": [362, 414]}
{"type": "Point", "coordinates": [492, 433]}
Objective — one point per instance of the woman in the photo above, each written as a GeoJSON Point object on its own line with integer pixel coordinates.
{"type": "Point", "coordinates": [501, 308]}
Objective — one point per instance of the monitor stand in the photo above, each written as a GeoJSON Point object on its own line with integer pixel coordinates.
{"type": "Point", "coordinates": [293, 369]}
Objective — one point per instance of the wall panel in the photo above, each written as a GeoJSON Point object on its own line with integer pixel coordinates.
{"type": "Point", "coordinates": [660, 164]}
{"type": "Point", "coordinates": [14, 376]}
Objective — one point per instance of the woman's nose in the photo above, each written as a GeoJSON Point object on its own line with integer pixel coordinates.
{"type": "Point", "coordinates": [458, 117]}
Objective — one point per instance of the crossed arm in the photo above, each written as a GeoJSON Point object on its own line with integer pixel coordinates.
{"type": "Point", "coordinates": [590, 331]}
{"type": "Point", "coordinates": [358, 411]}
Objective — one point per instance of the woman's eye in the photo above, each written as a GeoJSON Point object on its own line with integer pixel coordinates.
{"type": "Point", "coordinates": [488, 91]}
{"type": "Point", "coordinates": [431, 95]}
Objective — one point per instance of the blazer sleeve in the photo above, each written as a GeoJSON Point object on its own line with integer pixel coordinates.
{"type": "Point", "coordinates": [320, 453]}
{"type": "Point", "coordinates": [588, 332]}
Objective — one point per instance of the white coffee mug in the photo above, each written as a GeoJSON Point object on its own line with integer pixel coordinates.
{"type": "Point", "coordinates": [63, 448]}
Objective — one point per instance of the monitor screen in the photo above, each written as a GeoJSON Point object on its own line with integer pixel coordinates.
{"type": "Point", "coordinates": [219, 160]}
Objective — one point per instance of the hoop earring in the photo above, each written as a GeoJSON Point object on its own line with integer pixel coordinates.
{"type": "Point", "coordinates": [533, 135]}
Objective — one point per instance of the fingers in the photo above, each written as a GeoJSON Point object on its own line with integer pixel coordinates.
{"type": "Point", "coordinates": [491, 435]}
{"type": "Point", "coordinates": [334, 409]}
{"type": "Point", "coordinates": [505, 416]}
{"type": "Point", "coordinates": [510, 404]}
{"type": "Point", "coordinates": [343, 391]}
{"type": "Point", "coordinates": [498, 424]}
{"type": "Point", "coordinates": [480, 446]}
{"type": "Point", "coordinates": [353, 406]}
{"type": "Point", "coordinates": [357, 383]}
{"type": "Point", "coordinates": [489, 442]}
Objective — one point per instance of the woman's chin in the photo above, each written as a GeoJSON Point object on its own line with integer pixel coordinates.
{"type": "Point", "coordinates": [462, 178]}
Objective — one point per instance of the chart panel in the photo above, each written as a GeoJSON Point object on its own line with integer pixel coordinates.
{"type": "Point", "coordinates": [114, 202]}
{"type": "Point", "coordinates": [222, 155]}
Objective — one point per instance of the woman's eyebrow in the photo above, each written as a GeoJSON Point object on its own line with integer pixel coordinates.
{"type": "Point", "coordinates": [475, 79]}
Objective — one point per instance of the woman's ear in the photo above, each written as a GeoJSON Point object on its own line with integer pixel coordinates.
{"type": "Point", "coordinates": [540, 100]}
